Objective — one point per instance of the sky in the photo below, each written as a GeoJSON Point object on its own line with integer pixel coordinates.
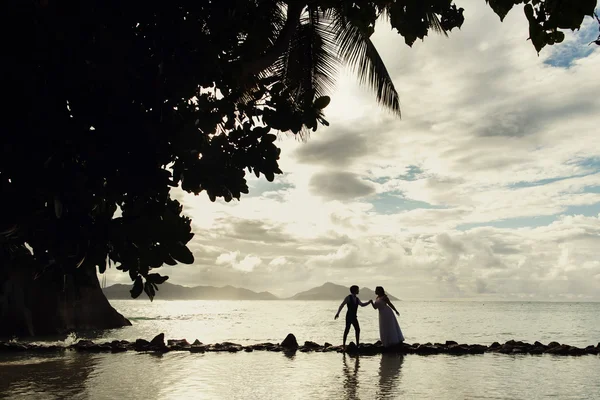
{"type": "Point", "coordinates": [488, 187]}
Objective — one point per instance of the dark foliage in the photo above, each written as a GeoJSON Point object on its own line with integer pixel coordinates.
{"type": "Point", "coordinates": [110, 104]}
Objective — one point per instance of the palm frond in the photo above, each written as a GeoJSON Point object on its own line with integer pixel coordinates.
{"type": "Point", "coordinates": [357, 50]}
{"type": "Point", "coordinates": [309, 66]}
{"type": "Point", "coordinates": [434, 23]}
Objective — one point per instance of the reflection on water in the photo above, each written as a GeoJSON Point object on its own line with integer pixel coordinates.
{"type": "Point", "coordinates": [41, 377]}
{"type": "Point", "coordinates": [351, 377]}
{"type": "Point", "coordinates": [389, 375]}
{"type": "Point", "coordinates": [265, 375]}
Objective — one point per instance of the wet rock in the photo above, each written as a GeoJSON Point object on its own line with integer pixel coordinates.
{"type": "Point", "coordinates": [576, 351]}
{"type": "Point", "coordinates": [118, 348]}
{"type": "Point", "coordinates": [197, 348]}
{"type": "Point", "coordinates": [141, 345]}
{"type": "Point", "coordinates": [327, 344]}
{"type": "Point", "coordinates": [538, 344]}
{"type": "Point", "coordinates": [561, 349]}
{"type": "Point", "coordinates": [458, 349]}
{"type": "Point", "coordinates": [12, 347]}
{"type": "Point", "coordinates": [477, 349]}
{"type": "Point", "coordinates": [197, 343]}
{"type": "Point", "coordinates": [425, 349]}
{"type": "Point", "coordinates": [369, 349]}
{"type": "Point", "coordinates": [495, 346]}
{"type": "Point", "coordinates": [592, 350]}
{"type": "Point", "coordinates": [177, 343]}
{"type": "Point", "coordinates": [311, 345]}
{"type": "Point", "coordinates": [290, 342]}
{"type": "Point", "coordinates": [332, 349]}
{"type": "Point", "coordinates": [158, 342]}
{"type": "Point", "coordinates": [248, 349]}
{"type": "Point", "coordinates": [537, 350]}
{"type": "Point", "coordinates": [352, 348]}
{"type": "Point", "coordinates": [553, 344]}
{"type": "Point", "coordinates": [450, 342]}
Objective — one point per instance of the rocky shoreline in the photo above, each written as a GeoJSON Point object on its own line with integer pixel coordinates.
{"type": "Point", "coordinates": [290, 345]}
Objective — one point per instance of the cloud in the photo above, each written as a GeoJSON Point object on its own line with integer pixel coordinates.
{"type": "Point", "coordinates": [488, 187]}
{"type": "Point", "coordinates": [340, 186]}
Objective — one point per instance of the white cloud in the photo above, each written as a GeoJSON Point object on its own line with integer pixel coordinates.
{"type": "Point", "coordinates": [489, 134]}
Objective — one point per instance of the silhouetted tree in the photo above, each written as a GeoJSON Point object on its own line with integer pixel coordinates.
{"type": "Point", "coordinates": [109, 104]}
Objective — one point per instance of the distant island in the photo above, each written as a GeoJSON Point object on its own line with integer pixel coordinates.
{"type": "Point", "coordinates": [169, 291]}
{"type": "Point", "coordinates": [331, 291]}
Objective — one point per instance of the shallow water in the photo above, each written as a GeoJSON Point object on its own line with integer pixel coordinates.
{"type": "Point", "coordinates": [304, 376]}
{"type": "Point", "coordinates": [265, 375]}
{"type": "Point", "coordinates": [246, 322]}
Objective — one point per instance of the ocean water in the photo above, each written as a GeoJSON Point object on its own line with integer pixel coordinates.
{"type": "Point", "coordinates": [265, 375]}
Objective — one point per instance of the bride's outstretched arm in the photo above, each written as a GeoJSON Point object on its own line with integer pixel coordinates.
{"type": "Point", "coordinates": [387, 300]}
{"type": "Point", "coordinates": [337, 314]}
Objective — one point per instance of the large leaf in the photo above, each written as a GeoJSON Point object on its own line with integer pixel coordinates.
{"type": "Point", "coordinates": [181, 253]}
{"type": "Point", "coordinates": [137, 288]}
{"type": "Point", "coordinates": [149, 289]}
{"type": "Point", "coordinates": [357, 50]}
{"type": "Point", "coordinates": [501, 7]}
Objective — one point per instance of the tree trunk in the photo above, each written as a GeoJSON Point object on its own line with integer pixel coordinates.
{"type": "Point", "coordinates": [54, 303]}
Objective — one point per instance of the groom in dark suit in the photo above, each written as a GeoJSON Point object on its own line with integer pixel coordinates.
{"type": "Point", "coordinates": [352, 301]}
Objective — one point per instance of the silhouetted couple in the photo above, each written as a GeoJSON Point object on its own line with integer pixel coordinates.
{"type": "Point", "coordinates": [390, 333]}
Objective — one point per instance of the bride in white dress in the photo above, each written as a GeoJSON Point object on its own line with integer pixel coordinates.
{"type": "Point", "coordinates": [389, 330]}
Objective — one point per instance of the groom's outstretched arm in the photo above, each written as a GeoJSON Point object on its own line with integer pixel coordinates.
{"type": "Point", "coordinates": [364, 304]}
{"type": "Point", "coordinates": [337, 314]}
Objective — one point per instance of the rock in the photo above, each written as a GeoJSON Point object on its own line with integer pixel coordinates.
{"type": "Point", "coordinates": [197, 348]}
{"type": "Point", "coordinates": [311, 345]}
{"type": "Point", "coordinates": [58, 312]}
{"type": "Point", "coordinates": [351, 348]}
{"type": "Point", "coordinates": [197, 343]}
{"type": "Point", "coordinates": [141, 345]}
{"type": "Point", "coordinates": [142, 342]}
{"type": "Point", "coordinates": [158, 341]}
{"type": "Point", "coordinates": [477, 349]}
{"type": "Point", "coordinates": [290, 342]}
{"type": "Point", "coordinates": [177, 343]}
{"type": "Point", "coordinates": [576, 351]}
{"type": "Point", "coordinates": [592, 350]}
{"type": "Point", "coordinates": [425, 349]}
{"type": "Point", "coordinates": [459, 349]}
{"type": "Point", "coordinates": [12, 347]}
{"type": "Point", "coordinates": [327, 344]}
{"type": "Point", "coordinates": [561, 349]}
{"type": "Point", "coordinates": [538, 344]}
{"type": "Point", "coordinates": [495, 346]}
{"type": "Point", "coordinates": [248, 349]}
{"type": "Point", "coordinates": [537, 350]}
{"type": "Point", "coordinates": [84, 343]}
{"type": "Point", "coordinates": [553, 344]}
{"type": "Point", "coordinates": [118, 348]}
{"type": "Point", "coordinates": [450, 342]}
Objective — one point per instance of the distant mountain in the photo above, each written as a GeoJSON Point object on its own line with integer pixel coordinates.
{"type": "Point", "coordinates": [169, 291]}
{"type": "Point", "coordinates": [331, 291]}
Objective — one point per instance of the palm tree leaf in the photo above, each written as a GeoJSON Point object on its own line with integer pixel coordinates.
{"type": "Point", "coordinates": [310, 65]}
{"type": "Point", "coordinates": [357, 50]}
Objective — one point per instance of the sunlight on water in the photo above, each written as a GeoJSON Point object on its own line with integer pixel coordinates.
{"type": "Point", "coordinates": [270, 321]}
{"type": "Point", "coordinates": [302, 376]}
{"type": "Point", "coordinates": [264, 375]}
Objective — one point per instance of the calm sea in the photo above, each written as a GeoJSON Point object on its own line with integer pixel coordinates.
{"type": "Point", "coordinates": [264, 375]}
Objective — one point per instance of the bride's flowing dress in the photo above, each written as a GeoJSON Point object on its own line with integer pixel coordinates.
{"type": "Point", "coordinates": [389, 330]}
